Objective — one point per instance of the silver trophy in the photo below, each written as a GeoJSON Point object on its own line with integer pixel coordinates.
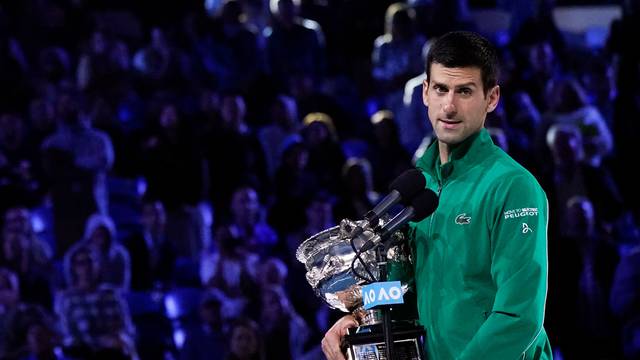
{"type": "Point", "coordinates": [337, 276]}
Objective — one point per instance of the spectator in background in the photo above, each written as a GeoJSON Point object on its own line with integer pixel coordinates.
{"type": "Point", "coordinates": [95, 318]}
{"type": "Point", "coordinates": [524, 121]}
{"type": "Point", "coordinates": [104, 118]}
{"type": "Point", "coordinates": [295, 46]}
{"type": "Point", "coordinates": [233, 270]}
{"type": "Point", "coordinates": [9, 291]}
{"type": "Point", "coordinates": [389, 158]}
{"type": "Point", "coordinates": [412, 128]}
{"type": "Point", "coordinates": [28, 257]}
{"type": "Point", "coordinates": [257, 14]}
{"type": "Point", "coordinates": [445, 16]}
{"type": "Point", "coordinates": [76, 159]}
{"type": "Point", "coordinates": [18, 219]}
{"type": "Point", "coordinates": [283, 124]}
{"type": "Point", "coordinates": [100, 68]}
{"type": "Point", "coordinates": [160, 64]}
{"type": "Point", "coordinates": [325, 154]}
{"type": "Point", "coordinates": [284, 330]}
{"type": "Point", "coordinates": [541, 66]}
{"type": "Point", "coordinates": [114, 263]}
{"type": "Point", "coordinates": [248, 223]}
{"type": "Point", "coordinates": [397, 55]}
{"type": "Point", "coordinates": [32, 335]}
{"type": "Point", "coordinates": [244, 50]}
{"type": "Point", "coordinates": [152, 256]}
{"type": "Point", "coordinates": [598, 77]}
{"type": "Point", "coordinates": [358, 195]}
{"type": "Point", "coordinates": [54, 65]}
{"type": "Point", "coordinates": [533, 21]}
{"type": "Point", "coordinates": [272, 272]}
{"type": "Point", "coordinates": [625, 292]}
{"type": "Point", "coordinates": [18, 162]}
{"type": "Point", "coordinates": [43, 339]}
{"type": "Point", "coordinates": [318, 217]}
{"type": "Point", "coordinates": [41, 120]}
{"type": "Point", "coordinates": [234, 155]}
{"type": "Point", "coordinates": [625, 55]}
{"type": "Point", "coordinates": [245, 341]}
{"type": "Point", "coordinates": [9, 303]}
{"type": "Point", "coordinates": [318, 211]}
{"type": "Point", "coordinates": [626, 130]}
{"type": "Point", "coordinates": [15, 70]}
{"type": "Point", "coordinates": [207, 341]}
{"type": "Point", "coordinates": [568, 105]}
{"type": "Point", "coordinates": [175, 169]}
{"type": "Point", "coordinates": [314, 97]}
{"type": "Point", "coordinates": [206, 116]}
{"type": "Point", "coordinates": [171, 160]}
{"type": "Point", "coordinates": [294, 182]}
{"type": "Point", "coordinates": [579, 287]}
{"type": "Point", "coordinates": [617, 44]}
{"type": "Point", "coordinates": [570, 176]}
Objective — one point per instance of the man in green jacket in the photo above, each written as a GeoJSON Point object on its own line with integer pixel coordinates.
{"type": "Point", "coordinates": [480, 260]}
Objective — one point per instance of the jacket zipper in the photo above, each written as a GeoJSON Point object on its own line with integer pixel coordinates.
{"type": "Point", "coordinates": [432, 215]}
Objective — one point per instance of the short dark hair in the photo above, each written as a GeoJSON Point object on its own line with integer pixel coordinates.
{"type": "Point", "coordinates": [466, 49]}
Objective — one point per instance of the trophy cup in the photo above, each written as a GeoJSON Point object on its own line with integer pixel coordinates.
{"type": "Point", "coordinates": [338, 270]}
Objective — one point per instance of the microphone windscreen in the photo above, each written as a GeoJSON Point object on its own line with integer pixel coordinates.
{"type": "Point", "coordinates": [424, 204]}
{"type": "Point", "coordinates": [409, 184]}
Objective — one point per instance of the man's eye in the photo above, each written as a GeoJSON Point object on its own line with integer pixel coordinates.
{"type": "Point", "coordinates": [440, 89]}
{"type": "Point", "coordinates": [465, 91]}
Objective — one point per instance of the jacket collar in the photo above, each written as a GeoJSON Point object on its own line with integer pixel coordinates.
{"type": "Point", "coordinates": [462, 157]}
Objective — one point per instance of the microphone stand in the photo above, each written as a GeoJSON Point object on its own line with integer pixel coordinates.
{"type": "Point", "coordinates": [381, 258]}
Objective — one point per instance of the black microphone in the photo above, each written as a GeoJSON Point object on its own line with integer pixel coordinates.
{"type": "Point", "coordinates": [422, 206]}
{"type": "Point", "coordinates": [403, 189]}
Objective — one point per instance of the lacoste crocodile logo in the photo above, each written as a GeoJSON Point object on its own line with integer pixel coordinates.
{"type": "Point", "coordinates": [463, 219]}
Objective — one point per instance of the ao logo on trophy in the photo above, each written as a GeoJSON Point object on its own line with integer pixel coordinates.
{"type": "Point", "coordinates": [382, 293]}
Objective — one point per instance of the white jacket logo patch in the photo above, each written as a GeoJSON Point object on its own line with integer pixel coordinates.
{"type": "Point", "coordinates": [516, 213]}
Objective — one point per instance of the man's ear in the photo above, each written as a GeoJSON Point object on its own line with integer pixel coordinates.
{"type": "Point", "coordinates": [494, 97]}
{"type": "Point", "coordinates": [425, 92]}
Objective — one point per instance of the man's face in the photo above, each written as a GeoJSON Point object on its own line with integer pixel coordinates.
{"type": "Point", "coordinates": [457, 102]}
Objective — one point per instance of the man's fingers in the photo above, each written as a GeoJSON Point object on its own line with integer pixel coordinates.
{"type": "Point", "coordinates": [346, 323]}
{"type": "Point", "coordinates": [330, 350]}
{"type": "Point", "coordinates": [331, 340]}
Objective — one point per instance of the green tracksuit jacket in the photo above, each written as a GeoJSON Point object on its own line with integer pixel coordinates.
{"type": "Point", "coordinates": [480, 260]}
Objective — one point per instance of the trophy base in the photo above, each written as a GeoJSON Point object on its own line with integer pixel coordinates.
{"type": "Point", "coordinates": [367, 342]}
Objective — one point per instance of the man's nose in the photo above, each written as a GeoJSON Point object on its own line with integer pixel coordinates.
{"type": "Point", "coordinates": [449, 107]}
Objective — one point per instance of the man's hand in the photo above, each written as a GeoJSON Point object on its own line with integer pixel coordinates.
{"type": "Point", "coordinates": [331, 341]}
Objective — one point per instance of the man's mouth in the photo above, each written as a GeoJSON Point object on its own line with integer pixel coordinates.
{"type": "Point", "coordinates": [450, 124]}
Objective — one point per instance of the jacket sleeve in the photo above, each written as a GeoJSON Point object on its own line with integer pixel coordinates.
{"type": "Point", "coordinates": [518, 233]}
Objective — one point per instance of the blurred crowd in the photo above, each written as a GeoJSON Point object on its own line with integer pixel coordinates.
{"type": "Point", "coordinates": [160, 163]}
